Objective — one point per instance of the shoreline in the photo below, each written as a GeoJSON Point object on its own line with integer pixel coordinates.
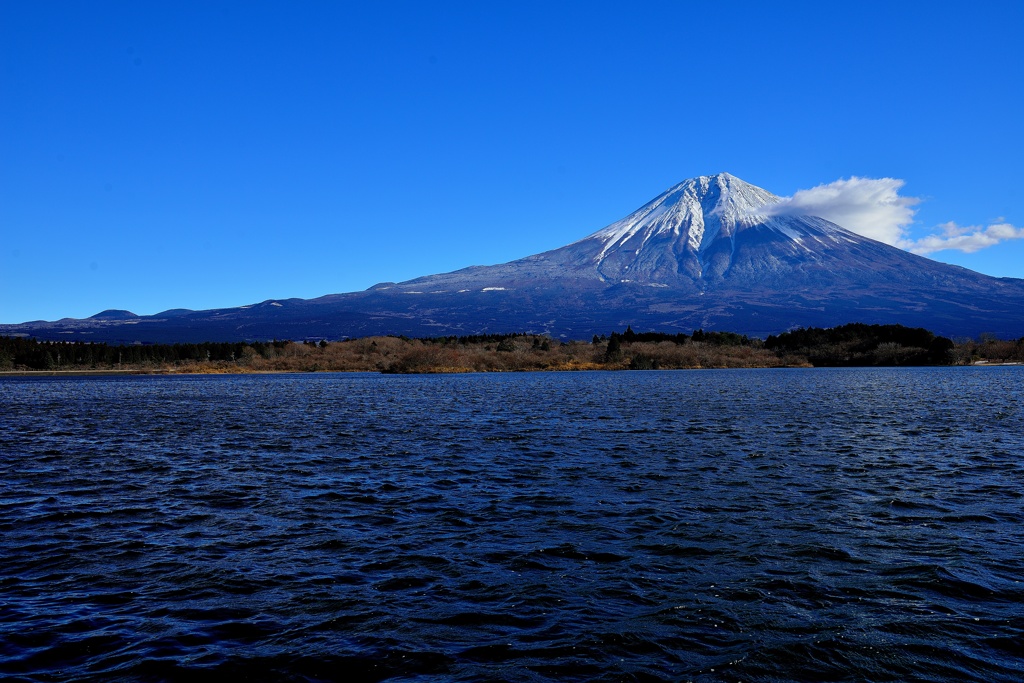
{"type": "Point", "coordinates": [194, 373]}
{"type": "Point", "coordinates": [88, 373]}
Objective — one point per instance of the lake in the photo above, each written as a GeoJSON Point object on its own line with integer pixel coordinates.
{"type": "Point", "coordinates": [747, 525]}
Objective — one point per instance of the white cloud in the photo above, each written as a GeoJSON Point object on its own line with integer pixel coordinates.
{"type": "Point", "coordinates": [874, 208]}
{"type": "Point", "coordinates": [966, 239]}
{"type": "Point", "coordinates": [867, 206]}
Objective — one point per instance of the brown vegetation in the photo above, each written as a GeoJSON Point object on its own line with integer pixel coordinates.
{"type": "Point", "coordinates": [510, 354]}
{"type": "Point", "coordinates": [516, 353]}
{"type": "Point", "coordinates": [988, 349]}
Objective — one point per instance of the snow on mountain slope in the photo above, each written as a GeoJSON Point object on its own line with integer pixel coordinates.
{"type": "Point", "coordinates": [706, 232]}
{"type": "Point", "coordinates": [688, 225]}
{"type": "Point", "coordinates": [698, 209]}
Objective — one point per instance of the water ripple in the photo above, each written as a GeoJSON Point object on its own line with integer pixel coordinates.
{"type": "Point", "coordinates": [849, 524]}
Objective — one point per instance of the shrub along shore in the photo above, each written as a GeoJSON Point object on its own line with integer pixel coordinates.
{"type": "Point", "coordinates": [849, 345]}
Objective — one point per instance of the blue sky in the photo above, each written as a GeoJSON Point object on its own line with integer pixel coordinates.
{"type": "Point", "coordinates": [157, 155]}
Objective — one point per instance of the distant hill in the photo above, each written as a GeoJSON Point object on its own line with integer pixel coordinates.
{"type": "Point", "coordinates": [113, 314]}
{"type": "Point", "coordinates": [703, 254]}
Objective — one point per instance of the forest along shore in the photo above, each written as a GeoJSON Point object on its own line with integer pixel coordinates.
{"type": "Point", "coordinates": [849, 345]}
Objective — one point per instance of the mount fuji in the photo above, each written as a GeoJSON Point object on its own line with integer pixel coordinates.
{"type": "Point", "coordinates": [707, 253]}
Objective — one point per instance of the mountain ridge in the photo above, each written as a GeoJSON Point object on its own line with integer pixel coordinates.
{"type": "Point", "coordinates": [705, 253]}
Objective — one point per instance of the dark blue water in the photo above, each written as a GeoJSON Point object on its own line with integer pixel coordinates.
{"type": "Point", "coordinates": [804, 525]}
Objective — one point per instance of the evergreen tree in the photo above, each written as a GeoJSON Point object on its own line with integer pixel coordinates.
{"type": "Point", "coordinates": [614, 351]}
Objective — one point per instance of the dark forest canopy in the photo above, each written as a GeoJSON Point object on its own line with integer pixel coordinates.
{"type": "Point", "coordinates": [41, 355]}
{"type": "Point", "coordinates": [860, 344]}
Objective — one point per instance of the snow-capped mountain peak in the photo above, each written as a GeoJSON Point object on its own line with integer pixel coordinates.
{"type": "Point", "coordinates": [691, 230]}
{"type": "Point", "coordinates": [697, 210]}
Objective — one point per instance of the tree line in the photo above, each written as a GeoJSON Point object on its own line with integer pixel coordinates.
{"type": "Point", "coordinates": [858, 344]}
{"type": "Point", "coordinates": [855, 344]}
{"type": "Point", "coordinates": [23, 352]}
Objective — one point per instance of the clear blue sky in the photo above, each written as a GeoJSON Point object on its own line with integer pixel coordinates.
{"type": "Point", "coordinates": [210, 154]}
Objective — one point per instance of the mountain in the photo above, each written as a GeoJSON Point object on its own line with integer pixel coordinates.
{"type": "Point", "coordinates": [704, 254]}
